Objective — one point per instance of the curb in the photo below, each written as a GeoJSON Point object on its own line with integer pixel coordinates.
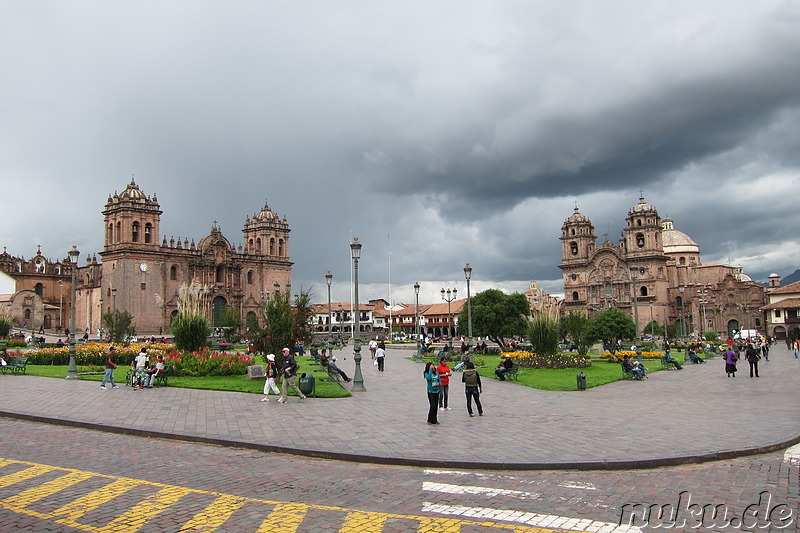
{"type": "Point", "coordinates": [644, 464]}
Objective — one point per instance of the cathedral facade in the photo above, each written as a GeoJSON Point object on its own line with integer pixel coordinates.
{"type": "Point", "coordinates": [655, 273]}
{"type": "Point", "coordinates": [141, 270]}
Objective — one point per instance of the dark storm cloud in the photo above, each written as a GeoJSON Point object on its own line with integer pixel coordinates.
{"type": "Point", "coordinates": [437, 135]}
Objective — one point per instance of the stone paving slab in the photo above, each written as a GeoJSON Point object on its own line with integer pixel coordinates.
{"type": "Point", "coordinates": [693, 415]}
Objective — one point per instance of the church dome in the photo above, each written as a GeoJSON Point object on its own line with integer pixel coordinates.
{"type": "Point", "coordinates": [642, 208]}
{"type": "Point", "coordinates": [132, 192]}
{"type": "Point", "coordinates": [577, 216]}
{"type": "Point", "coordinates": [675, 241]}
{"type": "Point", "coordinates": [265, 214]}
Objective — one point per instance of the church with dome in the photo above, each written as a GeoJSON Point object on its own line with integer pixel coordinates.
{"type": "Point", "coordinates": [655, 273]}
{"type": "Point", "coordinates": [142, 270]}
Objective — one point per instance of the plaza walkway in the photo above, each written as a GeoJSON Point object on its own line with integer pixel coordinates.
{"type": "Point", "coordinates": [696, 414]}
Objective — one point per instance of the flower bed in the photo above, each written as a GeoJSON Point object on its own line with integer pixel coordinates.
{"type": "Point", "coordinates": [208, 363]}
{"type": "Point", "coordinates": [94, 353]}
{"type": "Point", "coordinates": [617, 357]}
{"type": "Point", "coordinates": [559, 360]}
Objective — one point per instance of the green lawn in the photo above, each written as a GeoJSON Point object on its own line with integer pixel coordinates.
{"type": "Point", "coordinates": [324, 389]}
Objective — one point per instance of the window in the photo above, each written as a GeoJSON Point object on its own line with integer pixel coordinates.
{"type": "Point", "coordinates": [220, 277]}
{"type": "Point", "coordinates": [575, 297]}
{"type": "Point", "coordinates": [144, 286]}
{"type": "Point", "coordinates": [173, 272]}
{"type": "Point", "coordinates": [572, 231]}
{"type": "Point", "coordinates": [791, 313]}
{"type": "Point", "coordinates": [272, 246]}
{"type": "Point", "coordinates": [573, 246]}
{"type": "Point", "coordinates": [258, 245]}
{"type": "Point", "coordinates": [642, 291]}
{"type": "Point", "coordinates": [135, 232]}
{"type": "Point", "coordinates": [777, 313]}
{"type": "Point", "coordinates": [682, 261]}
{"type": "Point", "coordinates": [638, 221]}
{"type": "Point", "coordinates": [280, 248]}
{"type": "Point", "coordinates": [249, 277]}
{"type": "Point", "coordinates": [640, 240]}
{"type": "Point", "coordinates": [148, 233]}
{"type": "Point", "coordinates": [608, 289]}
{"type": "Point", "coordinates": [574, 277]}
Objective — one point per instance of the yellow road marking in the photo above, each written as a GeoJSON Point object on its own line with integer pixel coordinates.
{"type": "Point", "coordinates": [138, 516]}
{"type": "Point", "coordinates": [77, 508]}
{"type": "Point", "coordinates": [284, 518]}
{"type": "Point", "coordinates": [213, 516]}
{"type": "Point", "coordinates": [19, 501]}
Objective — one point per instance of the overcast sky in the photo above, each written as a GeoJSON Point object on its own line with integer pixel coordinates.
{"type": "Point", "coordinates": [439, 133]}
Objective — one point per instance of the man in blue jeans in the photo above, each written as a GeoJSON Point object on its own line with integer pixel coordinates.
{"type": "Point", "coordinates": [110, 366]}
{"type": "Point", "coordinates": [504, 367]}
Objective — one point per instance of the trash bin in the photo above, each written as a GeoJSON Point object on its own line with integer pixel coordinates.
{"type": "Point", "coordinates": [306, 383]}
{"type": "Point", "coordinates": [581, 381]}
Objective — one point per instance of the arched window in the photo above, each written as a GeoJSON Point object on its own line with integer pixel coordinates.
{"type": "Point", "coordinates": [642, 291]}
{"type": "Point", "coordinates": [148, 233]}
{"type": "Point", "coordinates": [573, 247]}
{"type": "Point", "coordinates": [110, 234]}
{"type": "Point", "coordinates": [682, 261]}
{"type": "Point", "coordinates": [272, 246]}
{"type": "Point", "coordinates": [640, 240]}
{"type": "Point", "coordinates": [220, 277]}
{"type": "Point", "coordinates": [258, 245]}
{"type": "Point", "coordinates": [27, 314]}
{"type": "Point", "coordinates": [575, 297]}
{"type": "Point", "coordinates": [118, 236]}
{"type": "Point", "coordinates": [572, 231]}
{"type": "Point", "coordinates": [250, 246]}
{"type": "Point", "coordinates": [173, 272]}
{"type": "Point", "coordinates": [39, 289]}
{"type": "Point", "coordinates": [638, 221]}
{"type": "Point", "coordinates": [135, 232]}
{"type": "Point", "coordinates": [249, 277]}
{"type": "Point", "coordinates": [280, 248]}
{"type": "Point", "coordinates": [608, 289]}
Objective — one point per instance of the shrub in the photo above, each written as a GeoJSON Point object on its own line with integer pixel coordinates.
{"type": "Point", "coordinates": [191, 331]}
{"type": "Point", "coordinates": [543, 334]}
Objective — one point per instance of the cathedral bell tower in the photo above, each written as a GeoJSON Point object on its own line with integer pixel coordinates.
{"type": "Point", "coordinates": [577, 239]}
{"type": "Point", "coordinates": [267, 235]}
{"type": "Point", "coordinates": [131, 220]}
{"type": "Point", "coordinates": [643, 231]}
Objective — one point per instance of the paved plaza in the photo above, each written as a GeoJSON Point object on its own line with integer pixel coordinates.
{"type": "Point", "coordinates": [696, 414]}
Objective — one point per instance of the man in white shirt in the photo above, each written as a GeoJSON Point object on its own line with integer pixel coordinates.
{"type": "Point", "coordinates": [372, 347]}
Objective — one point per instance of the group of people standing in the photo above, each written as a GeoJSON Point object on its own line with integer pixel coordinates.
{"type": "Point", "coordinates": [438, 387]}
{"type": "Point", "coordinates": [753, 352]}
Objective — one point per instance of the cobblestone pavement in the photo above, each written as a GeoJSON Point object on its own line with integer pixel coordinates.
{"type": "Point", "coordinates": [59, 479]}
{"type": "Point", "coordinates": [689, 415]}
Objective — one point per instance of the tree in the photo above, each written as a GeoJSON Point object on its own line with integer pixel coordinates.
{"type": "Point", "coordinates": [711, 335]}
{"type": "Point", "coordinates": [498, 315]}
{"type": "Point", "coordinates": [611, 325]}
{"type": "Point", "coordinates": [576, 325]}
{"type": "Point", "coordinates": [284, 324]}
{"type": "Point", "coordinates": [5, 324]}
{"type": "Point", "coordinates": [230, 321]}
{"type": "Point", "coordinates": [118, 325]}
{"type": "Point", "coordinates": [653, 328]}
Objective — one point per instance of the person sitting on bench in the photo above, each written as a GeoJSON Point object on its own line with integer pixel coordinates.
{"type": "Point", "coordinates": [670, 361]}
{"type": "Point", "coordinates": [636, 369]}
{"type": "Point", "coordinates": [693, 357]}
{"type": "Point", "coordinates": [503, 368]}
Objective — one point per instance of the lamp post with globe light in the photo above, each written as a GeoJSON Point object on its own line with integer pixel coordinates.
{"type": "Point", "coordinates": [468, 275]}
{"type": "Point", "coordinates": [449, 296]}
{"type": "Point", "coordinates": [72, 369]}
{"type": "Point", "coordinates": [329, 280]}
{"type": "Point", "coordinates": [416, 321]}
{"type": "Point", "coordinates": [358, 379]}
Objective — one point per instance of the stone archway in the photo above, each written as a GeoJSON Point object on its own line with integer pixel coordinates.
{"type": "Point", "coordinates": [218, 305]}
{"type": "Point", "coordinates": [733, 327]}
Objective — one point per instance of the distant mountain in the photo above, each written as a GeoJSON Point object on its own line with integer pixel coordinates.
{"type": "Point", "coordinates": [791, 278]}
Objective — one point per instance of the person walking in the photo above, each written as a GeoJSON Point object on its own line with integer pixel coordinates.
{"type": "Point", "coordinates": [432, 378]}
{"type": "Point", "coordinates": [796, 347]}
{"type": "Point", "coordinates": [472, 388]}
{"type": "Point", "coordinates": [752, 357]}
{"type": "Point", "coordinates": [730, 361]}
{"type": "Point", "coordinates": [380, 356]}
{"type": "Point", "coordinates": [444, 383]}
{"type": "Point", "coordinates": [110, 366]}
{"type": "Point", "coordinates": [289, 372]}
{"type": "Point", "coordinates": [271, 373]}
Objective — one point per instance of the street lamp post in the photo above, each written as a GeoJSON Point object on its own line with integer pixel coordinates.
{"type": "Point", "coordinates": [451, 297]}
{"type": "Point", "coordinates": [634, 272]}
{"type": "Point", "coordinates": [72, 369]}
{"type": "Point", "coordinates": [468, 275]}
{"type": "Point", "coordinates": [60, 306]}
{"type": "Point", "coordinates": [416, 321]}
{"type": "Point", "coordinates": [113, 313]}
{"type": "Point", "coordinates": [358, 379]}
{"type": "Point", "coordinates": [328, 280]}
{"type": "Point", "coordinates": [682, 289]}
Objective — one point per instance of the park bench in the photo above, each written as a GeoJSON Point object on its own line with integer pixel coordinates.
{"type": "Point", "coordinates": [15, 364]}
{"type": "Point", "coordinates": [163, 378]}
{"type": "Point", "coordinates": [512, 372]}
{"type": "Point", "coordinates": [3, 345]}
{"type": "Point", "coordinates": [220, 346]}
{"type": "Point", "coordinates": [626, 374]}
{"type": "Point", "coordinates": [665, 364]}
